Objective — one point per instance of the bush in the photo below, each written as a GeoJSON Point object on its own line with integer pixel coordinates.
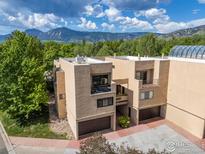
{"type": "Point", "coordinates": [124, 121]}
{"type": "Point", "coordinates": [98, 144]}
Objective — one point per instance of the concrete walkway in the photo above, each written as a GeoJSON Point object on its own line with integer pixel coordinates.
{"type": "Point", "coordinates": [133, 135]}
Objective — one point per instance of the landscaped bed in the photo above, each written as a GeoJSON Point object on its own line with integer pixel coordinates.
{"type": "Point", "coordinates": [37, 129]}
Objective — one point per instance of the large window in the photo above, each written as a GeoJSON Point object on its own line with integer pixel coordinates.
{"type": "Point", "coordinates": [101, 83]}
{"type": "Point", "coordinates": [142, 75]}
{"type": "Point", "coordinates": [105, 102]}
{"type": "Point", "coordinates": [146, 95]}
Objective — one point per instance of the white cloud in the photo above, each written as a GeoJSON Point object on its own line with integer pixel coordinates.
{"type": "Point", "coordinates": [11, 18]}
{"type": "Point", "coordinates": [96, 11]}
{"type": "Point", "coordinates": [112, 13]}
{"type": "Point", "coordinates": [173, 26]}
{"type": "Point", "coordinates": [87, 24]}
{"type": "Point", "coordinates": [201, 1]}
{"type": "Point", "coordinates": [89, 10]}
{"type": "Point", "coordinates": [100, 15]}
{"type": "Point", "coordinates": [107, 26]}
{"type": "Point", "coordinates": [152, 13]}
{"type": "Point", "coordinates": [158, 15]}
{"type": "Point", "coordinates": [37, 20]}
{"type": "Point", "coordinates": [128, 22]}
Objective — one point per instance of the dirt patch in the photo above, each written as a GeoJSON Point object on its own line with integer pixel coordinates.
{"type": "Point", "coordinates": [59, 126]}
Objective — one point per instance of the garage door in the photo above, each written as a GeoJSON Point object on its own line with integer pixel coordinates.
{"type": "Point", "coordinates": [94, 125]}
{"type": "Point", "coordinates": [145, 114]}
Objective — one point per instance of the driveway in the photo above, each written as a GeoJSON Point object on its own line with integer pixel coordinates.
{"type": "Point", "coordinates": [160, 138]}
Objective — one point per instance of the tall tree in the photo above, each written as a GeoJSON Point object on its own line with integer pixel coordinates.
{"type": "Point", "coordinates": [22, 86]}
{"type": "Point", "coordinates": [51, 52]}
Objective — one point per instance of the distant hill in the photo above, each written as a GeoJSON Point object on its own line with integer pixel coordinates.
{"type": "Point", "coordinates": [200, 30]}
{"type": "Point", "coordinates": [67, 35]}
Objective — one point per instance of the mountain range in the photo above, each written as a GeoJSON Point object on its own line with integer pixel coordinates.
{"type": "Point", "coordinates": [67, 35]}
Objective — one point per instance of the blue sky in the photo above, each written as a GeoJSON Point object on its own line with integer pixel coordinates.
{"type": "Point", "coordinates": [161, 16]}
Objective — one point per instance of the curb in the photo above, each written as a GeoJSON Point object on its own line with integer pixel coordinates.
{"type": "Point", "coordinates": [6, 140]}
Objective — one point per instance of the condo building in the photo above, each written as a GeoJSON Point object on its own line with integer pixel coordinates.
{"type": "Point", "coordinates": [93, 93]}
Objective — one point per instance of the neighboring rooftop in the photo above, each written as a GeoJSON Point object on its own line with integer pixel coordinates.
{"type": "Point", "coordinates": [137, 58]}
{"type": "Point", "coordinates": [84, 60]}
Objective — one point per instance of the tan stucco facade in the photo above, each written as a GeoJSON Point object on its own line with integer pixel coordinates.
{"type": "Point", "coordinates": [157, 76]}
{"type": "Point", "coordinates": [175, 89]}
{"type": "Point", "coordinates": [186, 96]}
{"type": "Point", "coordinates": [81, 105]}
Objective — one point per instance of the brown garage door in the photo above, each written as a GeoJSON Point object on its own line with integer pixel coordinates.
{"type": "Point", "coordinates": [145, 114]}
{"type": "Point", "coordinates": [94, 125]}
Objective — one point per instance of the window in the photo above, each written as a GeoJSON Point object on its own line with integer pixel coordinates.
{"type": "Point", "coordinates": [146, 95]}
{"type": "Point", "coordinates": [142, 75]}
{"type": "Point", "coordinates": [100, 79]}
{"type": "Point", "coordinates": [101, 83]}
{"type": "Point", "coordinates": [105, 102]}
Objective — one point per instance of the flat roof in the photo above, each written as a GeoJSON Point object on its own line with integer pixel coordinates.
{"type": "Point", "coordinates": [202, 61]}
{"type": "Point", "coordinates": [136, 58]}
{"type": "Point", "coordinates": [85, 61]}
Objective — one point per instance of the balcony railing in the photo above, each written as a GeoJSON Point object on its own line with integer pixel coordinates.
{"type": "Point", "coordinates": [148, 85]}
{"type": "Point", "coordinates": [100, 89]}
{"type": "Point", "coordinates": [122, 98]}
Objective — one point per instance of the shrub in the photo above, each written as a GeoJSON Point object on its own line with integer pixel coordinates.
{"type": "Point", "coordinates": [124, 121]}
{"type": "Point", "coordinates": [98, 144]}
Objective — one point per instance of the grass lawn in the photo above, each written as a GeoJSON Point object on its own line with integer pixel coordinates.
{"type": "Point", "coordinates": [38, 129]}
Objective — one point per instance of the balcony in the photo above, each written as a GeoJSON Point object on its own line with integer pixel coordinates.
{"type": "Point", "coordinates": [101, 89]}
{"type": "Point", "coordinates": [155, 83]}
{"type": "Point", "coordinates": [121, 99]}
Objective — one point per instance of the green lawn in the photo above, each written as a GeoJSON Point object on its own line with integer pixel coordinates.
{"type": "Point", "coordinates": [38, 129]}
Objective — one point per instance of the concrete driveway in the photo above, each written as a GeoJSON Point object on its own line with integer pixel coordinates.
{"type": "Point", "coordinates": [160, 138]}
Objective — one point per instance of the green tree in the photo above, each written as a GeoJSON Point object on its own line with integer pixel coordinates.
{"type": "Point", "coordinates": [51, 52]}
{"type": "Point", "coordinates": [105, 51]}
{"type": "Point", "coordinates": [22, 86]}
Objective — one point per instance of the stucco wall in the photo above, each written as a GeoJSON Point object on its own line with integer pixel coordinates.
{"type": "Point", "coordinates": [70, 91]}
{"type": "Point", "coordinates": [186, 120]}
{"type": "Point", "coordinates": [186, 87]}
{"type": "Point", "coordinates": [60, 90]}
{"type": "Point", "coordinates": [186, 92]}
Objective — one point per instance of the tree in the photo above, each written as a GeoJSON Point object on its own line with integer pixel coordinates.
{"type": "Point", "coordinates": [51, 52]}
{"type": "Point", "coordinates": [98, 144]}
{"type": "Point", "coordinates": [105, 51]}
{"type": "Point", "coordinates": [22, 85]}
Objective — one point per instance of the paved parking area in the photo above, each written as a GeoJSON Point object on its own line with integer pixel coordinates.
{"type": "Point", "coordinates": [160, 138]}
